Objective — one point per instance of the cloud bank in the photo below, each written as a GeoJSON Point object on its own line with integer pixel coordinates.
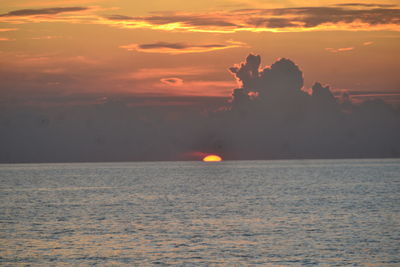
{"type": "Point", "coordinates": [345, 17]}
{"type": "Point", "coordinates": [270, 116]}
{"type": "Point", "coordinates": [340, 17]}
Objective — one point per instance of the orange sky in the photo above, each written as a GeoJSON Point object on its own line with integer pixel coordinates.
{"type": "Point", "coordinates": [97, 49]}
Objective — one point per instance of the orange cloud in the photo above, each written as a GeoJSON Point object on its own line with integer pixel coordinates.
{"type": "Point", "coordinates": [180, 48]}
{"type": "Point", "coordinates": [199, 88]}
{"type": "Point", "coordinates": [42, 11]}
{"type": "Point", "coordinates": [150, 73]}
{"type": "Point", "coordinates": [6, 39]}
{"type": "Point", "coordinates": [76, 14]}
{"type": "Point", "coordinates": [57, 2]}
{"type": "Point", "coordinates": [349, 17]}
{"type": "Point", "coordinates": [346, 17]}
{"type": "Point", "coordinates": [48, 37]}
{"type": "Point", "coordinates": [337, 50]}
{"type": "Point", "coordinates": [7, 29]}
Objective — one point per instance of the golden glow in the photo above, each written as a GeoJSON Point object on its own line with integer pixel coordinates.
{"type": "Point", "coordinates": [212, 158]}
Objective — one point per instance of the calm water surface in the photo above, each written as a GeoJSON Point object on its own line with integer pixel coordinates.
{"type": "Point", "coordinates": [270, 213]}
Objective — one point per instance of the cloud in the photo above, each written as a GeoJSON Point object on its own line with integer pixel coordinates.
{"type": "Point", "coordinates": [365, 5]}
{"type": "Point", "coordinates": [283, 78]}
{"type": "Point", "coordinates": [76, 14]}
{"type": "Point", "coordinates": [368, 43]}
{"type": "Point", "coordinates": [337, 50]}
{"type": "Point", "coordinates": [346, 17]}
{"type": "Point", "coordinates": [349, 17]}
{"type": "Point", "coordinates": [6, 39]}
{"type": "Point", "coordinates": [392, 97]}
{"type": "Point", "coordinates": [284, 120]}
{"type": "Point", "coordinates": [42, 11]}
{"type": "Point", "coordinates": [57, 2]}
{"type": "Point", "coordinates": [172, 81]}
{"type": "Point", "coordinates": [150, 73]}
{"type": "Point", "coordinates": [198, 22]}
{"type": "Point", "coordinates": [180, 48]}
{"type": "Point", "coordinates": [48, 37]}
{"type": "Point", "coordinates": [7, 29]}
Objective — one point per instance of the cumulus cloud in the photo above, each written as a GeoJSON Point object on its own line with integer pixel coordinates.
{"type": "Point", "coordinates": [281, 78]}
{"type": "Point", "coordinates": [271, 116]}
{"type": "Point", "coordinates": [284, 121]}
{"type": "Point", "coordinates": [180, 48]}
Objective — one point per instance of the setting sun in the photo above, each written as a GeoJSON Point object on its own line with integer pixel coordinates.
{"type": "Point", "coordinates": [210, 158]}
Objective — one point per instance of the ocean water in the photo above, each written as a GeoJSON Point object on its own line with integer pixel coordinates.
{"type": "Point", "coordinates": [233, 213]}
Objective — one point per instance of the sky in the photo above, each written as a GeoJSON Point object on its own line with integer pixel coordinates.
{"type": "Point", "coordinates": [65, 65]}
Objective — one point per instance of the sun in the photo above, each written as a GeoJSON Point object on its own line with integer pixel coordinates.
{"type": "Point", "coordinates": [210, 158]}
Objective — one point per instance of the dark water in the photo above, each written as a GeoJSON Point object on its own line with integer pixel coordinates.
{"type": "Point", "coordinates": [270, 213]}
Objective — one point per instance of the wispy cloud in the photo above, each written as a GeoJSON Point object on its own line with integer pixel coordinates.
{"type": "Point", "coordinates": [76, 14]}
{"type": "Point", "coordinates": [365, 5]}
{"type": "Point", "coordinates": [57, 2]}
{"type": "Point", "coordinates": [7, 29]}
{"type": "Point", "coordinates": [48, 37]}
{"type": "Point", "coordinates": [150, 73]}
{"type": "Point", "coordinates": [42, 11]}
{"type": "Point", "coordinates": [337, 50]}
{"type": "Point", "coordinates": [361, 96]}
{"type": "Point", "coordinates": [172, 81]}
{"type": "Point", "coordinates": [197, 87]}
{"type": "Point", "coordinates": [180, 48]}
{"type": "Point", "coordinates": [345, 17]}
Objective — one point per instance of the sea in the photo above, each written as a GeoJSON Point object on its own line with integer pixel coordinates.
{"type": "Point", "coordinates": [231, 213]}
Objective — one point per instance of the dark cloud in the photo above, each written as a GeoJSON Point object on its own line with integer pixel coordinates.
{"type": "Point", "coordinates": [189, 20]}
{"type": "Point", "coordinates": [177, 48]}
{"type": "Point", "coordinates": [281, 78]}
{"type": "Point", "coordinates": [271, 22]}
{"type": "Point", "coordinates": [341, 16]}
{"type": "Point", "coordinates": [285, 122]}
{"type": "Point", "coordinates": [119, 17]}
{"type": "Point", "coordinates": [177, 45]}
{"type": "Point", "coordinates": [314, 16]}
{"type": "Point", "coordinates": [42, 11]}
{"type": "Point", "coordinates": [364, 5]}
{"type": "Point", "coordinates": [172, 81]}
{"type": "Point", "coordinates": [270, 116]}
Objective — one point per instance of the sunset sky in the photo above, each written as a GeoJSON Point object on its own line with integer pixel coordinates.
{"type": "Point", "coordinates": [99, 80]}
{"type": "Point", "coordinates": [72, 52]}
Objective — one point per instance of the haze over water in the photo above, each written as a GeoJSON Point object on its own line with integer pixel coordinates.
{"type": "Point", "coordinates": [300, 212]}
